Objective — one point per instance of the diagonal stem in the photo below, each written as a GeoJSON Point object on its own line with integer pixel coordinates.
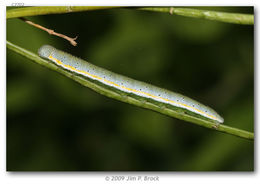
{"type": "Point", "coordinates": [51, 32]}
{"type": "Point", "coordinates": [112, 94]}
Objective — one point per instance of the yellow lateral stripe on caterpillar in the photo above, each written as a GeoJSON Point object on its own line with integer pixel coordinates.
{"type": "Point", "coordinates": [129, 89]}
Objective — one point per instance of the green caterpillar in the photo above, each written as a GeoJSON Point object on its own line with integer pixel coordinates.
{"type": "Point", "coordinates": [182, 105]}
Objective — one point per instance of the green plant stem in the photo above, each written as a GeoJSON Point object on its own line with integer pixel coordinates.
{"type": "Point", "coordinates": [112, 94]}
{"type": "Point", "coordinates": [236, 18]}
{"type": "Point", "coordinates": [246, 19]}
{"type": "Point", "coordinates": [44, 10]}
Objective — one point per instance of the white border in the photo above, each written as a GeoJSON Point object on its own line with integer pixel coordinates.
{"type": "Point", "coordinates": [85, 178]}
{"type": "Point", "coordinates": [138, 2]}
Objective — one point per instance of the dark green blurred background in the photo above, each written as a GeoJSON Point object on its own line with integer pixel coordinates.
{"type": "Point", "coordinates": [55, 124]}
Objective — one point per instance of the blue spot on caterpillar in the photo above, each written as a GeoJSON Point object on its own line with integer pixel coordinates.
{"type": "Point", "coordinates": [141, 91]}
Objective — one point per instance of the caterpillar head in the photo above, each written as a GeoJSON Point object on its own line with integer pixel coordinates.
{"type": "Point", "coordinates": [45, 51]}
